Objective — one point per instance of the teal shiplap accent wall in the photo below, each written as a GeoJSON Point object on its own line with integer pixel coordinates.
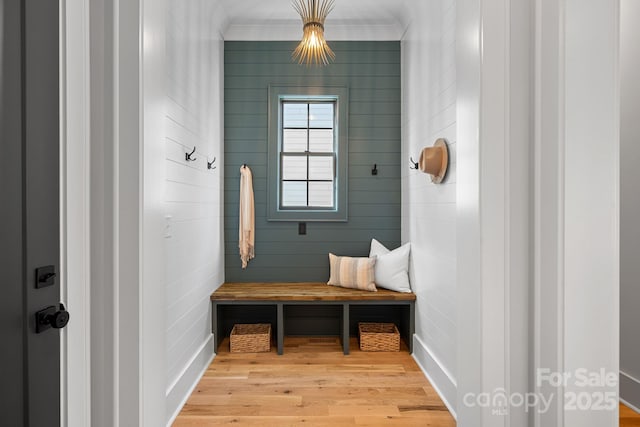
{"type": "Point", "coordinates": [371, 71]}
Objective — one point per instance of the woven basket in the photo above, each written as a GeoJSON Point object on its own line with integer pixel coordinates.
{"type": "Point", "coordinates": [379, 337]}
{"type": "Point", "coordinates": [253, 338]}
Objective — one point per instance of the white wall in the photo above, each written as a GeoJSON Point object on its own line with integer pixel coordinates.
{"type": "Point", "coordinates": [494, 106]}
{"type": "Point", "coordinates": [193, 236]}
{"type": "Point", "coordinates": [576, 320]}
{"type": "Point", "coordinates": [156, 229]}
{"type": "Point", "coordinates": [591, 154]}
{"type": "Point", "coordinates": [629, 203]}
{"type": "Point", "coordinates": [573, 94]}
{"type": "Point", "coordinates": [429, 210]}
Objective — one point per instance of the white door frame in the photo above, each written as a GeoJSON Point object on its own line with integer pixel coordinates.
{"type": "Point", "coordinates": [494, 132]}
{"type": "Point", "coordinates": [564, 197]}
{"type": "Point", "coordinates": [576, 300]}
{"type": "Point", "coordinates": [75, 212]}
{"type": "Point", "coordinates": [571, 294]}
{"type": "Point", "coordinates": [112, 367]}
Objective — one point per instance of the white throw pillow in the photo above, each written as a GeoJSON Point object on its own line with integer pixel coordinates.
{"type": "Point", "coordinates": [392, 267]}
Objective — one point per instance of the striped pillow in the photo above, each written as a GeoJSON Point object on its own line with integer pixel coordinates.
{"type": "Point", "coordinates": [355, 273]}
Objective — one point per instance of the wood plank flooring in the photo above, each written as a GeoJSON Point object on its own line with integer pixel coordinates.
{"type": "Point", "coordinates": [314, 384]}
{"type": "Point", "coordinates": [628, 417]}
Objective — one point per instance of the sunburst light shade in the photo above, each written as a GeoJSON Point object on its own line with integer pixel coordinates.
{"type": "Point", "coordinates": [313, 48]}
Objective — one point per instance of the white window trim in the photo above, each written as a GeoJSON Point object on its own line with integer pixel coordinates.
{"type": "Point", "coordinates": [341, 96]}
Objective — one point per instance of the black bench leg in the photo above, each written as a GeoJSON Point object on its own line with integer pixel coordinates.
{"type": "Point", "coordinates": [345, 328]}
{"type": "Point", "coordinates": [412, 326]}
{"type": "Point", "coordinates": [214, 326]}
{"type": "Point", "coordinates": [280, 328]}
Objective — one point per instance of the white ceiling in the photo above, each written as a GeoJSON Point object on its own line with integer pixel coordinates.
{"type": "Point", "coordinates": [277, 20]}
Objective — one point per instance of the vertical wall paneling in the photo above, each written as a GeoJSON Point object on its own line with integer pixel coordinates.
{"type": "Point", "coordinates": [371, 71]}
{"type": "Point", "coordinates": [429, 210]}
{"type": "Point", "coordinates": [192, 193]}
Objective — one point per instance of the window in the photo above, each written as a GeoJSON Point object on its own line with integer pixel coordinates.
{"type": "Point", "coordinates": [307, 154]}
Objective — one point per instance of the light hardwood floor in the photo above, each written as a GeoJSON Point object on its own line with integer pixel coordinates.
{"type": "Point", "coordinates": [314, 384]}
{"type": "Point", "coordinates": [628, 417]}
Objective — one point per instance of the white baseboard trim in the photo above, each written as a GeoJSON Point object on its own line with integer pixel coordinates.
{"type": "Point", "coordinates": [630, 391]}
{"type": "Point", "coordinates": [439, 377]}
{"type": "Point", "coordinates": [181, 389]}
{"type": "Point", "coordinates": [630, 405]}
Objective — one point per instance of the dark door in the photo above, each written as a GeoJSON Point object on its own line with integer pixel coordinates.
{"type": "Point", "coordinates": [29, 213]}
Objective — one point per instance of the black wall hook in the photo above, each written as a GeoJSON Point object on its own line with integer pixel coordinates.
{"type": "Point", "coordinates": [188, 157]}
{"type": "Point", "coordinates": [414, 164]}
{"type": "Point", "coordinates": [374, 171]}
{"type": "Point", "coordinates": [210, 164]}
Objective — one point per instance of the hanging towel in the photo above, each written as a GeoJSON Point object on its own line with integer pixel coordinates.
{"type": "Point", "coordinates": [247, 221]}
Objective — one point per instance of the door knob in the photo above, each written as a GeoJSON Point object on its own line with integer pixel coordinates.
{"type": "Point", "coordinates": [52, 317]}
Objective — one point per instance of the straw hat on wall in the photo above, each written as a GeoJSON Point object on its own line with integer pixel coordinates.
{"type": "Point", "coordinates": [434, 160]}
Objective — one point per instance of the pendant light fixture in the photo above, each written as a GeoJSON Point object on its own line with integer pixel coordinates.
{"type": "Point", "coordinates": [313, 48]}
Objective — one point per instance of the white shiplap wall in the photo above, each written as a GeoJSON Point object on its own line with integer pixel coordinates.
{"type": "Point", "coordinates": [193, 194]}
{"type": "Point", "coordinates": [429, 210]}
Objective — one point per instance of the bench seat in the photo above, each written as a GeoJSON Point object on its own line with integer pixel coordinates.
{"type": "Point", "coordinates": [302, 291]}
{"type": "Point", "coordinates": [281, 295]}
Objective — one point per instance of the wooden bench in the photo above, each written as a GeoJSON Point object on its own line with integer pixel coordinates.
{"type": "Point", "coordinates": [306, 308]}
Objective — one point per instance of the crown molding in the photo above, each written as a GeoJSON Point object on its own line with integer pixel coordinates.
{"type": "Point", "coordinates": [336, 30]}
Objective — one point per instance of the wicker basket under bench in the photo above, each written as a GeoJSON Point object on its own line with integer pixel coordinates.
{"type": "Point", "coordinates": [250, 338]}
{"type": "Point", "coordinates": [379, 337]}
{"type": "Point", "coordinates": [230, 299]}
